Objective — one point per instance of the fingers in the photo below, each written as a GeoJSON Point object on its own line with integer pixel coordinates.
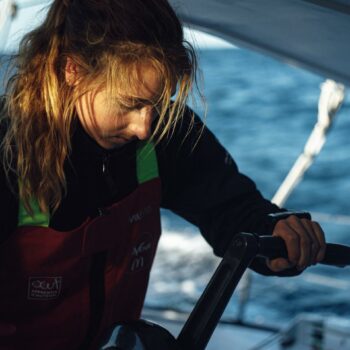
{"type": "Point", "coordinates": [305, 242]}
{"type": "Point", "coordinates": [314, 243]}
{"type": "Point", "coordinates": [7, 329]}
{"type": "Point", "coordinates": [291, 239]}
{"type": "Point", "coordinates": [318, 244]}
{"type": "Point", "coordinates": [322, 241]}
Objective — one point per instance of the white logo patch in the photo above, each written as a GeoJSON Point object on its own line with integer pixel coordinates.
{"type": "Point", "coordinates": [140, 214]}
{"type": "Point", "coordinates": [44, 288]}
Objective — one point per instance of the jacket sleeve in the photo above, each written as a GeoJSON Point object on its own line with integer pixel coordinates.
{"type": "Point", "coordinates": [202, 183]}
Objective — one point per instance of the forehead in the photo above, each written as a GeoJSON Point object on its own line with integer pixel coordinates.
{"type": "Point", "coordinates": [145, 83]}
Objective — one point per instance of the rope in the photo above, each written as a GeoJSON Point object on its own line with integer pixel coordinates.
{"type": "Point", "coordinates": [331, 98]}
{"type": "Point", "coordinates": [270, 340]}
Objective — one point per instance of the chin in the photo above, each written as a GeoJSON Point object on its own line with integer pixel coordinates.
{"type": "Point", "coordinates": [112, 144]}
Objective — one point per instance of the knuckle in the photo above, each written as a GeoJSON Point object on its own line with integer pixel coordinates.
{"type": "Point", "coordinates": [293, 218]}
{"type": "Point", "coordinates": [291, 238]}
{"type": "Point", "coordinates": [315, 223]}
{"type": "Point", "coordinates": [318, 228]}
{"type": "Point", "coordinates": [305, 239]}
{"type": "Point", "coordinates": [314, 254]}
{"type": "Point", "coordinates": [316, 246]}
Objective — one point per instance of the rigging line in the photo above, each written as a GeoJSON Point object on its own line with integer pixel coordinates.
{"type": "Point", "coordinates": [330, 100]}
{"type": "Point", "coordinates": [270, 340]}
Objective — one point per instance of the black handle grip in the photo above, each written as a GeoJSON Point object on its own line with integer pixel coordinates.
{"type": "Point", "coordinates": [274, 247]}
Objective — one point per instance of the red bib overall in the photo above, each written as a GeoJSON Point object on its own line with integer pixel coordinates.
{"type": "Point", "coordinates": [45, 275]}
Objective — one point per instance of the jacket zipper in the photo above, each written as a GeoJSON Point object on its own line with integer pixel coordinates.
{"type": "Point", "coordinates": [107, 176]}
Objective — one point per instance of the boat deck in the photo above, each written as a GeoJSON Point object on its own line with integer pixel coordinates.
{"type": "Point", "coordinates": [225, 337]}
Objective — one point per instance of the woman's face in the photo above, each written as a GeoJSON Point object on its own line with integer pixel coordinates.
{"type": "Point", "coordinates": [112, 125]}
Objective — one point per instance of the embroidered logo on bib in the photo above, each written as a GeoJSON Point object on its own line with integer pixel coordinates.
{"type": "Point", "coordinates": [141, 254]}
{"type": "Point", "coordinates": [44, 288]}
{"type": "Point", "coordinates": [138, 216]}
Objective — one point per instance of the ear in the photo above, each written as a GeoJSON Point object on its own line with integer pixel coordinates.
{"type": "Point", "coordinates": [71, 72]}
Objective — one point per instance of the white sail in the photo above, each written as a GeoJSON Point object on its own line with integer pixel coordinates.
{"type": "Point", "coordinates": [313, 34]}
{"type": "Point", "coordinates": [5, 21]}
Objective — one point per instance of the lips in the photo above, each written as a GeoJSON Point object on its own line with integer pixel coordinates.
{"type": "Point", "coordinates": [123, 139]}
{"type": "Point", "coordinates": [118, 137]}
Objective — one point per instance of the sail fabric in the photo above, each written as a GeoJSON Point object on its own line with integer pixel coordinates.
{"type": "Point", "coordinates": [312, 34]}
{"type": "Point", "coordinates": [5, 22]}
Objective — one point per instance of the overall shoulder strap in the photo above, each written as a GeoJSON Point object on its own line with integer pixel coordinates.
{"type": "Point", "coordinates": [38, 219]}
{"type": "Point", "coordinates": [146, 167]}
{"type": "Point", "coordinates": [146, 163]}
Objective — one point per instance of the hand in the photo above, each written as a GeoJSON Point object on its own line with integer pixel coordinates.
{"type": "Point", "coordinates": [7, 329]}
{"type": "Point", "coordinates": [304, 240]}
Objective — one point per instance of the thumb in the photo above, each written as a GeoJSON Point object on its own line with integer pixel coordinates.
{"type": "Point", "coordinates": [279, 264]}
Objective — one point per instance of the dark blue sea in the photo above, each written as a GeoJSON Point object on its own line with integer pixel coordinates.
{"type": "Point", "coordinates": [262, 111]}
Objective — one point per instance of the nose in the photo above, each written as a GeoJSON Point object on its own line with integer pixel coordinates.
{"type": "Point", "coordinates": [142, 123]}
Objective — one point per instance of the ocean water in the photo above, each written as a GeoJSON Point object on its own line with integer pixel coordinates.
{"type": "Point", "coordinates": [262, 111]}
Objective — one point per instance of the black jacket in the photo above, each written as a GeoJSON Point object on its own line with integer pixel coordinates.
{"type": "Point", "coordinates": [200, 182]}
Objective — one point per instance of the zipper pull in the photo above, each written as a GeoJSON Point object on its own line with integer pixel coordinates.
{"type": "Point", "coordinates": [105, 164]}
{"type": "Point", "coordinates": [107, 176]}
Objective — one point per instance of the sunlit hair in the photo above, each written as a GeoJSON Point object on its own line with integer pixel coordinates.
{"type": "Point", "coordinates": [108, 40]}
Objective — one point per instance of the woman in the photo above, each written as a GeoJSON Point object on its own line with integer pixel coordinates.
{"type": "Point", "coordinates": [92, 147]}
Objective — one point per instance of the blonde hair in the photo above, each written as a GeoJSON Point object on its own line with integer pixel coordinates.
{"type": "Point", "coordinates": [108, 40]}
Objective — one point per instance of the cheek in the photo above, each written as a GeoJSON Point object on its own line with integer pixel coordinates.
{"type": "Point", "coordinates": [100, 116]}
{"type": "Point", "coordinates": [111, 121]}
{"type": "Point", "coordinates": [105, 116]}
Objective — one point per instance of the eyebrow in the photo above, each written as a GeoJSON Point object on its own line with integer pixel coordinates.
{"type": "Point", "coordinates": [144, 101]}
